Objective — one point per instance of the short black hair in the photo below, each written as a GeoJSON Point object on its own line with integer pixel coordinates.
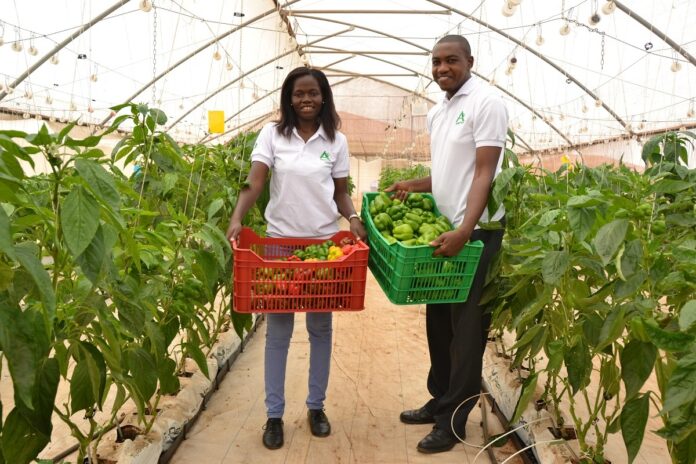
{"type": "Point", "coordinates": [328, 117]}
{"type": "Point", "coordinates": [466, 47]}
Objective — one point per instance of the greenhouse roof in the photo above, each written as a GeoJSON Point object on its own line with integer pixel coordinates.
{"type": "Point", "coordinates": [572, 72]}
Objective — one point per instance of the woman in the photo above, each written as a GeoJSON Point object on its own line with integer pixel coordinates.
{"type": "Point", "coordinates": [309, 188]}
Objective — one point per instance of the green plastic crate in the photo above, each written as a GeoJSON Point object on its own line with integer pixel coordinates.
{"type": "Point", "coordinates": [410, 275]}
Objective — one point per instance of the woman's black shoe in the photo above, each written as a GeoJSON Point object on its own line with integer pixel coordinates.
{"type": "Point", "coordinates": [273, 433]}
{"type": "Point", "coordinates": [318, 423]}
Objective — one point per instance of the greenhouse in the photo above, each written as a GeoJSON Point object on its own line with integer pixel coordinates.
{"type": "Point", "coordinates": [161, 224]}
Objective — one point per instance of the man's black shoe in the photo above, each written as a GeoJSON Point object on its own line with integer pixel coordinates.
{"type": "Point", "coordinates": [318, 423]}
{"type": "Point", "coordinates": [417, 416]}
{"type": "Point", "coordinates": [273, 433]}
{"type": "Point", "coordinates": [437, 441]}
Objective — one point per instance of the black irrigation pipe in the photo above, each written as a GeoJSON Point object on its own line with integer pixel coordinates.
{"type": "Point", "coordinates": [527, 456]}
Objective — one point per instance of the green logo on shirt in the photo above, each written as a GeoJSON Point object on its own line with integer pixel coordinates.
{"type": "Point", "coordinates": [460, 118]}
{"type": "Point", "coordinates": [325, 156]}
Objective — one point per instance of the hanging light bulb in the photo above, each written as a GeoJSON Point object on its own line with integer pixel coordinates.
{"type": "Point", "coordinates": [641, 126]}
{"type": "Point", "coordinates": [508, 9]}
{"type": "Point", "coordinates": [90, 108]}
{"type": "Point", "coordinates": [52, 119]}
{"type": "Point", "coordinates": [676, 66]}
{"type": "Point", "coordinates": [540, 40]}
{"type": "Point", "coordinates": [28, 94]}
{"type": "Point", "coordinates": [93, 78]}
{"type": "Point", "coordinates": [217, 56]}
{"type": "Point", "coordinates": [629, 128]}
{"type": "Point", "coordinates": [33, 50]}
{"type": "Point", "coordinates": [561, 116]}
{"type": "Point", "coordinates": [145, 5]}
{"type": "Point", "coordinates": [598, 103]}
{"type": "Point", "coordinates": [565, 29]}
{"type": "Point", "coordinates": [594, 19]}
{"type": "Point", "coordinates": [690, 113]}
{"type": "Point", "coordinates": [25, 115]}
{"type": "Point", "coordinates": [584, 108]}
{"type": "Point", "coordinates": [228, 65]}
{"type": "Point", "coordinates": [608, 8]}
{"type": "Point", "coordinates": [17, 46]}
{"type": "Point", "coordinates": [514, 2]}
{"type": "Point", "coordinates": [55, 59]}
{"type": "Point", "coordinates": [49, 99]}
{"type": "Point", "coordinates": [38, 117]}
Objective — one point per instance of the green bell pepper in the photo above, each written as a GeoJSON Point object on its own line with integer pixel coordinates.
{"type": "Point", "coordinates": [403, 232]}
{"type": "Point", "coordinates": [382, 221]}
{"type": "Point", "coordinates": [415, 200]}
{"type": "Point", "coordinates": [428, 204]}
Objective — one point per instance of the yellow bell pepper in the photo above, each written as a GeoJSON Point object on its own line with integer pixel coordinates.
{"type": "Point", "coordinates": [334, 253]}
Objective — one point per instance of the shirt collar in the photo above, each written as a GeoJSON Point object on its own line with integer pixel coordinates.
{"type": "Point", "coordinates": [465, 89]}
{"type": "Point", "coordinates": [320, 132]}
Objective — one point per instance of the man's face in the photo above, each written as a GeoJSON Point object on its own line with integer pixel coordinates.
{"type": "Point", "coordinates": [451, 66]}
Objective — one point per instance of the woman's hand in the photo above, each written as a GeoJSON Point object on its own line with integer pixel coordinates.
{"type": "Point", "coordinates": [358, 229]}
{"type": "Point", "coordinates": [233, 230]}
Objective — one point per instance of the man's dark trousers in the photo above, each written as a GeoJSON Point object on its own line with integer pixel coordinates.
{"type": "Point", "coordinates": [457, 334]}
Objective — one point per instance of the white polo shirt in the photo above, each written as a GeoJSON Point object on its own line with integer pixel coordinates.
{"type": "Point", "coordinates": [474, 117]}
{"type": "Point", "coordinates": [302, 182]}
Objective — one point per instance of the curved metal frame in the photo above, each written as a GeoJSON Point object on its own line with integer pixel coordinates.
{"type": "Point", "coordinates": [200, 49]}
{"type": "Point", "coordinates": [64, 43]}
{"type": "Point", "coordinates": [677, 48]}
{"type": "Point", "coordinates": [242, 76]}
{"type": "Point", "coordinates": [541, 56]}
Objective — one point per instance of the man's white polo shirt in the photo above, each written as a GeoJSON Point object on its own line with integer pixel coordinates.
{"type": "Point", "coordinates": [474, 117]}
{"type": "Point", "coordinates": [302, 183]}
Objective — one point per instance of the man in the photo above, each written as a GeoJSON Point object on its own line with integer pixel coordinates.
{"type": "Point", "coordinates": [467, 133]}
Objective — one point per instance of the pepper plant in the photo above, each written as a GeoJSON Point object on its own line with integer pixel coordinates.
{"type": "Point", "coordinates": [598, 274]}
{"type": "Point", "coordinates": [109, 281]}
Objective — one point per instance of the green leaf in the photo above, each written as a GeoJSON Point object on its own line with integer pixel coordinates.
{"type": "Point", "coordinates": [21, 442]}
{"type": "Point", "coordinates": [214, 207]}
{"type": "Point", "coordinates": [143, 370]}
{"type": "Point", "coordinates": [159, 116]}
{"type": "Point", "coordinates": [637, 361]}
{"type": "Point", "coordinates": [612, 328]}
{"type": "Point", "coordinates": [581, 221]}
{"type": "Point", "coordinates": [40, 138]}
{"type": "Point", "coordinates": [634, 416]}
{"type": "Point", "coordinates": [629, 287]}
{"type": "Point", "coordinates": [583, 201]}
{"type": "Point", "coordinates": [91, 261]}
{"type": "Point", "coordinates": [670, 186]}
{"type": "Point", "coordinates": [24, 344]}
{"type": "Point", "coordinates": [81, 394]}
{"type": "Point", "coordinates": [87, 142]}
{"type": "Point", "coordinates": [554, 266]}
{"type": "Point", "coordinates": [667, 340]}
{"type": "Point", "coordinates": [100, 181]}
{"type": "Point", "coordinates": [609, 238]}
{"type": "Point", "coordinates": [194, 352]}
{"type": "Point", "coordinates": [65, 131]}
{"type": "Point", "coordinates": [79, 219]}
{"type": "Point", "coordinates": [681, 387]}
{"type": "Point", "coordinates": [579, 366]}
{"type": "Point", "coordinates": [27, 255]}
{"type": "Point", "coordinates": [632, 257]}
{"type": "Point", "coordinates": [687, 316]}
{"type": "Point", "coordinates": [554, 351]}
{"type": "Point", "coordinates": [168, 380]}
{"type": "Point", "coordinates": [526, 394]}
{"type": "Point", "coordinates": [549, 217]}
{"type": "Point", "coordinates": [6, 244]}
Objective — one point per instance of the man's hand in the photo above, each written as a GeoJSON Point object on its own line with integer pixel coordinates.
{"type": "Point", "coordinates": [450, 243]}
{"type": "Point", "coordinates": [401, 189]}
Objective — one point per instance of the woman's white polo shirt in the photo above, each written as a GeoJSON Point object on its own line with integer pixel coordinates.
{"type": "Point", "coordinates": [302, 181]}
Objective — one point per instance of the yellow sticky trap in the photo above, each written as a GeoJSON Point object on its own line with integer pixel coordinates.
{"type": "Point", "coordinates": [216, 122]}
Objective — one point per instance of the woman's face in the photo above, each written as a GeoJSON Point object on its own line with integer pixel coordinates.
{"type": "Point", "coordinates": [306, 98]}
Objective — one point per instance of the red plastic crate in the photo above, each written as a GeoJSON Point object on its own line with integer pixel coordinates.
{"type": "Point", "coordinates": [265, 284]}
